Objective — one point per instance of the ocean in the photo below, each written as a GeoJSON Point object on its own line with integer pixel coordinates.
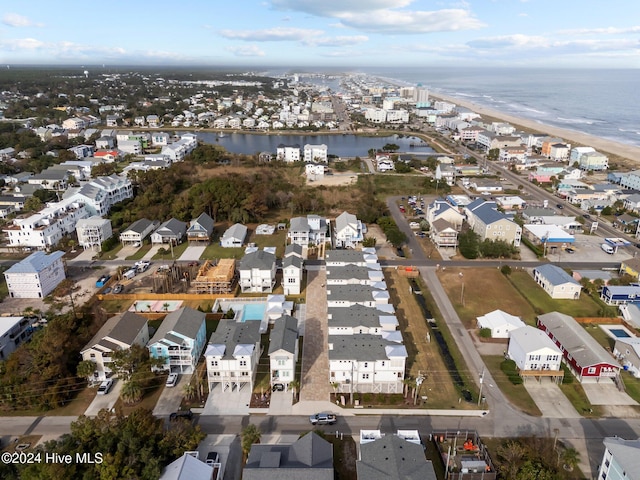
{"type": "Point", "coordinates": [599, 102]}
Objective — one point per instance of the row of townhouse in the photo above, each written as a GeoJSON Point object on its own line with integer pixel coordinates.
{"type": "Point", "coordinates": [310, 153]}
{"type": "Point", "coordinates": [366, 351]}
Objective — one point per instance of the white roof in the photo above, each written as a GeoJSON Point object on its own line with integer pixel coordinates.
{"type": "Point", "coordinates": [550, 231]}
{"type": "Point", "coordinates": [498, 318]}
{"type": "Point", "coordinates": [532, 339]}
{"type": "Point", "coordinates": [187, 468]}
{"type": "Point", "coordinates": [7, 323]}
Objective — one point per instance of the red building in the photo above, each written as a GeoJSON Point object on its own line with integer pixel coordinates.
{"type": "Point", "coordinates": [582, 353]}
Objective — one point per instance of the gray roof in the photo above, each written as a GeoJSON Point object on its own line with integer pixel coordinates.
{"type": "Point", "coordinates": [346, 219]}
{"type": "Point", "coordinates": [258, 259]}
{"type": "Point", "coordinates": [555, 275]}
{"type": "Point", "coordinates": [576, 341]}
{"type": "Point", "coordinates": [348, 272]}
{"type": "Point", "coordinates": [392, 457]}
{"type": "Point", "coordinates": [185, 321]}
{"type": "Point", "coordinates": [205, 221]}
{"type": "Point", "coordinates": [36, 262]}
{"type": "Point", "coordinates": [310, 457]}
{"type": "Point", "coordinates": [345, 256]}
{"type": "Point", "coordinates": [139, 226]}
{"type": "Point", "coordinates": [124, 328]}
{"type": "Point", "coordinates": [487, 212]}
{"type": "Point", "coordinates": [284, 335]}
{"type": "Point", "coordinates": [231, 333]}
{"type": "Point", "coordinates": [237, 231]}
{"type": "Point", "coordinates": [174, 226]}
{"type": "Point", "coordinates": [299, 224]}
{"type": "Point", "coordinates": [187, 467]}
{"type": "Point", "coordinates": [293, 249]}
{"type": "Point", "coordinates": [353, 292]}
{"type": "Point", "coordinates": [355, 316]}
{"type": "Point", "coordinates": [292, 261]}
{"type": "Point", "coordinates": [626, 454]}
{"type": "Point", "coordinates": [363, 347]}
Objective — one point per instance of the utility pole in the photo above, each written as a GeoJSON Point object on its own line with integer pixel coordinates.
{"type": "Point", "coordinates": [481, 382]}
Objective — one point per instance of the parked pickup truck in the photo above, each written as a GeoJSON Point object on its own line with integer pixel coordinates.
{"type": "Point", "coordinates": [323, 419]}
{"type": "Point", "coordinates": [102, 281]}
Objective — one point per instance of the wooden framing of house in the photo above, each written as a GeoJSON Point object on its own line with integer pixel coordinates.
{"type": "Point", "coordinates": [216, 278]}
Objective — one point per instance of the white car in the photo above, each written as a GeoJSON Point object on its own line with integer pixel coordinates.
{"type": "Point", "coordinates": [172, 380]}
{"type": "Point", "coordinates": [105, 386]}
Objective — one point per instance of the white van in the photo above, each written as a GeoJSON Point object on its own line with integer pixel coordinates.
{"type": "Point", "coordinates": [129, 274]}
{"type": "Point", "coordinates": [608, 248]}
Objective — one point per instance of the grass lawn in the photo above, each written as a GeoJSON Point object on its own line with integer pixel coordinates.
{"type": "Point", "coordinates": [214, 250]}
{"type": "Point", "coordinates": [395, 184]}
{"type": "Point", "coordinates": [116, 306]}
{"type": "Point", "coordinates": [631, 385]}
{"type": "Point", "coordinates": [479, 299]}
{"type": "Point", "coordinates": [425, 357]}
{"type": "Point", "coordinates": [603, 339]}
{"type": "Point", "coordinates": [541, 302]}
{"type": "Point", "coordinates": [4, 290]}
{"type": "Point", "coordinates": [517, 394]}
{"type": "Point", "coordinates": [76, 407]}
{"type": "Point", "coordinates": [111, 254]}
{"type": "Point", "coordinates": [151, 393]}
{"type": "Point", "coordinates": [178, 250]}
{"type": "Point", "coordinates": [573, 390]}
{"type": "Point", "coordinates": [142, 251]}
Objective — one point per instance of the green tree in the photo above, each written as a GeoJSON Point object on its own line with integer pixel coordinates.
{"type": "Point", "coordinates": [33, 204]}
{"type": "Point", "coordinates": [85, 369]}
{"type": "Point", "coordinates": [369, 242]}
{"type": "Point", "coordinates": [512, 454]}
{"type": "Point", "coordinates": [391, 147]}
{"type": "Point", "coordinates": [468, 244]}
{"type": "Point", "coordinates": [570, 458]}
{"type": "Point", "coordinates": [131, 392]}
{"type": "Point", "coordinates": [402, 167]}
{"type": "Point", "coordinates": [493, 154]}
{"type": "Point", "coordinates": [250, 435]}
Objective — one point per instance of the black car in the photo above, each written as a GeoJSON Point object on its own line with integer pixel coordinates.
{"type": "Point", "coordinates": [278, 387]}
{"type": "Point", "coordinates": [400, 252]}
{"type": "Point", "coordinates": [560, 206]}
{"type": "Point", "coordinates": [212, 458]}
{"type": "Point", "coordinates": [181, 415]}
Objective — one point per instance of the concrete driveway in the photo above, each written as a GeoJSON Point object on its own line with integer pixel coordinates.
{"type": "Point", "coordinates": [171, 397]}
{"type": "Point", "coordinates": [280, 403]}
{"type": "Point", "coordinates": [550, 399]}
{"type": "Point", "coordinates": [192, 253]}
{"type": "Point", "coordinates": [606, 393]}
{"type": "Point", "coordinates": [105, 401]}
{"type": "Point", "coordinates": [228, 402]}
{"type": "Point", "coordinates": [230, 451]}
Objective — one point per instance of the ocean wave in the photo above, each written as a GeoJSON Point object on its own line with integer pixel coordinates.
{"type": "Point", "coordinates": [460, 94]}
{"type": "Point", "coordinates": [633, 130]}
{"type": "Point", "coordinates": [579, 120]}
{"type": "Point", "coordinates": [520, 108]}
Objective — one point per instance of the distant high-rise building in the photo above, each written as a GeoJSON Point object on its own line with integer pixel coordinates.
{"type": "Point", "coordinates": [421, 97]}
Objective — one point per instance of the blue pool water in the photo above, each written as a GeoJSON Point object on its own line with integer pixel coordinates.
{"type": "Point", "coordinates": [619, 333]}
{"type": "Point", "coordinates": [253, 312]}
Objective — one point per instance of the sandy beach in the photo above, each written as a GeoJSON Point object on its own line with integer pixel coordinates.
{"type": "Point", "coordinates": [629, 152]}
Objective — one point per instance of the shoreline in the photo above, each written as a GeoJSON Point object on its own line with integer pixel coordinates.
{"type": "Point", "coordinates": [604, 145]}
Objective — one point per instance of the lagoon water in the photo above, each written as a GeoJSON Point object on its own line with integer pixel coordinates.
{"type": "Point", "coordinates": [340, 145]}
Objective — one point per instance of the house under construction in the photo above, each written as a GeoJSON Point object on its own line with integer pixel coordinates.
{"type": "Point", "coordinates": [218, 278]}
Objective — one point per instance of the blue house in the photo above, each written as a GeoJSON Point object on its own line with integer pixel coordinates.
{"type": "Point", "coordinates": [180, 340]}
{"type": "Point", "coordinates": [620, 294]}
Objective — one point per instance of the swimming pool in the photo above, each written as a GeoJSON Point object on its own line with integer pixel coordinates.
{"type": "Point", "coordinates": [253, 311]}
{"type": "Point", "coordinates": [155, 306]}
{"type": "Point", "coordinates": [619, 333]}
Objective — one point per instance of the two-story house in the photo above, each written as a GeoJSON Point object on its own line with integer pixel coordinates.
{"type": "Point", "coordinates": [257, 272]}
{"type": "Point", "coordinates": [310, 230]}
{"type": "Point", "coordinates": [36, 276]}
{"type": "Point", "coordinates": [138, 231]}
{"type": "Point", "coordinates": [200, 229]}
{"type": "Point", "coordinates": [13, 332]}
{"type": "Point", "coordinates": [487, 221]}
{"type": "Point", "coordinates": [358, 319]}
{"type": "Point", "coordinates": [232, 355]}
{"type": "Point", "coordinates": [120, 332]}
{"type": "Point", "coordinates": [283, 350]}
{"type": "Point", "coordinates": [349, 231]}
{"type": "Point", "coordinates": [180, 340]}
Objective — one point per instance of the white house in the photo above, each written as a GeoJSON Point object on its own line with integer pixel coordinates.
{"type": "Point", "coordinates": [366, 257]}
{"type": "Point", "coordinates": [257, 272]}
{"type": "Point", "coordinates": [232, 355]}
{"type": "Point", "coordinates": [292, 272]}
{"type": "Point", "coordinates": [180, 340]}
{"type": "Point", "coordinates": [349, 295]}
{"type": "Point", "coordinates": [620, 459]}
{"type": "Point", "coordinates": [310, 230]}
{"type": "Point", "coordinates": [531, 349]}
{"type": "Point", "coordinates": [315, 153]}
{"type": "Point", "coordinates": [172, 231]}
{"type": "Point", "coordinates": [200, 229]}
{"type": "Point", "coordinates": [556, 282]}
{"type": "Point", "coordinates": [36, 276]}
{"type": "Point", "coordinates": [440, 209]}
{"type": "Point", "coordinates": [349, 231]}
{"type": "Point", "coordinates": [500, 323]}
{"type": "Point", "coordinates": [46, 228]}
{"type": "Point", "coordinates": [138, 231]}
{"type": "Point", "coordinates": [366, 363]}
{"type": "Point", "coordinates": [13, 332]}
{"type": "Point", "coordinates": [120, 332]}
{"type": "Point", "coordinates": [288, 153]}
{"type": "Point", "coordinates": [356, 275]}
{"type": "Point", "coordinates": [359, 319]}
{"type": "Point", "coordinates": [234, 236]}
{"type": "Point", "coordinates": [283, 350]}
{"type": "Point", "coordinates": [101, 193]}
{"type": "Point", "coordinates": [93, 231]}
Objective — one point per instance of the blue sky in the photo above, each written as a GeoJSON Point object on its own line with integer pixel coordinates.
{"type": "Point", "coordinates": [341, 33]}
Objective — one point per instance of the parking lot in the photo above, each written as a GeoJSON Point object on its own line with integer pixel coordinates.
{"type": "Point", "coordinates": [587, 248]}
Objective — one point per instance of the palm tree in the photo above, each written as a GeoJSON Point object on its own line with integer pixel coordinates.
{"type": "Point", "coordinates": [189, 390]}
{"type": "Point", "coordinates": [294, 385]}
{"type": "Point", "coordinates": [131, 392]}
{"type": "Point", "coordinates": [165, 306]}
{"type": "Point", "coordinates": [570, 458]}
{"type": "Point", "coordinates": [250, 435]}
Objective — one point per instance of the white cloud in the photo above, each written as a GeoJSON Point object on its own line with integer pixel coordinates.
{"type": "Point", "coordinates": [15, 20]}
{"type": "Point", "coordinates": [523, 14]}
{"type": "Point", "coordinates": [278, 34]}
{"type": "Point", "coordinates": [335, 8]}
{"type": "Point", "coordinates": [339, 41]}
{"type": "Point", "coordinates": [410, 22]}
{"type": "Point", "coordinates": [386, 16]}
{"type": "Point", "coordinates": [503, 41]}
{"type": "Point", "coordinates": [18, 44]}
{"type": "Point", "coordinates": [604, 30]}
{"type": "Point", "coordinates": [246, 51]}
